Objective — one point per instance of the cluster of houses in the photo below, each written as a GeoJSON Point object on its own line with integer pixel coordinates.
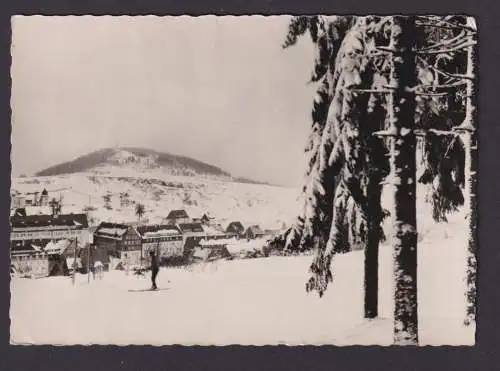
{"type": "Point", "coordinates": [44, 245]}
{"type": "Point", "coordinates": [37, 199]}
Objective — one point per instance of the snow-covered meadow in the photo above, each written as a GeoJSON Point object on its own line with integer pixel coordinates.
{"type": "Point", "coordinates": [253, 301]}
{"type": "Point", "coordinates": [268, 206]}
{"type": "Point", "coordinates": [242, 301]}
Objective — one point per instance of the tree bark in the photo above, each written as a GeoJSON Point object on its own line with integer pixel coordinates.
{"type": "Point", "coordinates": [404, 77]}
{"type": "Point", "coordinates": [471, 166]}
{"type": "Point", "coordinates": [371, 253]}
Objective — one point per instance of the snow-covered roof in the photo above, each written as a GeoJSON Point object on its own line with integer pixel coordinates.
{"type": "Point", "coordinates": [57, 247]}
{"type": "Point", "coordinates": [217, 242]}
{"type": "Point", "coordinates": [111, 229]}
{"type": "Point", "coordinates": [212, 230]}
{"type": "Point", "coordinates": [45, 220]}
{"type": "Point", "coordinates": [29, 245]}
{"type": "Point", "coordinates": [38, 210]}
{"type": "Point", "coordinates": [158, 230]}
{"type": "Point", "coordinates": [161, 232]}
{"type": "Point", "coordinates": [207, 216]}
{"type": "Point", "coordinates": [177, 214]}
{"type": "Point", "coordinates": [191, 227]}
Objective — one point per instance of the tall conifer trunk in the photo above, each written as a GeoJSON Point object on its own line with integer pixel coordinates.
{"type": "Point", "coordinates": [404, 77]}
{"type": "Point", "coordinates": [372, 250]}
{"type": "Point", "coordinates": [471, 165]}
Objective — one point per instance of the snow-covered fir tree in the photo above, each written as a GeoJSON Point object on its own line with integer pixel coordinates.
{"type": "Point", "coordinates": [347, 165]}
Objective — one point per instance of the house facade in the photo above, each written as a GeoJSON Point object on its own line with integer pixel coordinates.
{"type": "Point", "coordinates": [166, 239]}
{"type": "Point", "coordinates": [177, 217]}
{"type": "Point", "coordinates": [46, 227]}
{"type": "Point", "coordinates": [28, 259]}
{"type": "Point", "coordinates": [39, 258]}
{"type": "Point", "coordinates": [32, 234]}
{"type": "Point", "coordinates": [119, 240]}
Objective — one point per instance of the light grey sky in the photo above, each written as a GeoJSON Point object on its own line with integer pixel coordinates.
{"type": "Point", "coordinates": [218, 89]}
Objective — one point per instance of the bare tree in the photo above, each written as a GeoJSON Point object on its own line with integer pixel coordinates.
{"type": "Point", "coordinates": [139, 211]}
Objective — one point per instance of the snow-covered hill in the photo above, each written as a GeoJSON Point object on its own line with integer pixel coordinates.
{"type": "Point", "coordinates": [109, 183]}
{"type": "Point", "coordinates": [136, 160]}
{"type": "Point", "coordinates": [268, 206]}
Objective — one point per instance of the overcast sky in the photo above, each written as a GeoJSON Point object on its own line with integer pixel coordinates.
{"type": "Point", "coordinates": [218, 89]}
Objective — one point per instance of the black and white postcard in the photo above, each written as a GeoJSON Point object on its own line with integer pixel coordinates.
{"type": "Point", "coordinates": [252, 180]}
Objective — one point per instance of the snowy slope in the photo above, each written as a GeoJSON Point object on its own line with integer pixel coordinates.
{"type": "Point", "coordinates": [268, 206]}
{"type": "Point", "coordinates": [258, 301]}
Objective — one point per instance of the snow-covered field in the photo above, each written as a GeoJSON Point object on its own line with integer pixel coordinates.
{"type": "Point", "coordinates": [268, 206]}
{"type": "Point", "coordinates": [256, 301]}
{"type": "Point", "coordinates": [252, 301]}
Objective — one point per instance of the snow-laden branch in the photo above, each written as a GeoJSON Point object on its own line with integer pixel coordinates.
{"type": "Point", "coordinates": [444, 73]}
{"type": "Point", "coordinates": [448, 43]}
{"type": "Point", "coordinates": [418, 133]}
{"type": "Point", "coordinates": [429, 94]}
{"type": "Point", "coordinates": [386, 49]}
{"type": "Point", "coordinates": [447, 25]}
{"type": "Point", "coordinates": [454, 49]}
{"type": "Point", "coordinates": [375, 91]}
{"type": "Point", "coordinates": [444, 86]}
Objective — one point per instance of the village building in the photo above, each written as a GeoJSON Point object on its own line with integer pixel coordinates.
{"type": "Point", "coordinates": [121, 241]}
{"type": "Point", "coordinates": [235, 229]}
{"type": "Point", "coordinates": [166, 239]}
{"type": "Point", "coordinates": [177, 217]}
{"type": "Point", "coordinates": [17, 201]}
{"type": "Point", "coordinates": [40, 258]}
{"type": "Point", "coordinates": [192, 229]}
{"type": "Point", "coordinates": [207, 219]}
{"type": "Point", "coordinates": [195, 232]}
{"type": "Point", "coordinates": [213, 249]}
{"type": "Point", "coordinates": [214, 231]}
{"type": "Point", "coordinates": [192, 233]}
{"type": "Point", "coordinates": [38, 241]}
{"type": "Point", "coordinates": [28, 258]}
{"type": "Point", "coordinates": [254, 231]}
{"type": "Point", "coordinates": [57, 258]}
{"type": "Point", "coordinates": [46, 227]}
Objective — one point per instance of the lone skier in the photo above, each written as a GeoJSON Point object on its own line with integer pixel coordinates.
{"type": "Point", "coordinates": [154, 268]}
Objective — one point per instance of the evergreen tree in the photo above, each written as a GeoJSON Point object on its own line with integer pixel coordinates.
{"type": "Point", "coordinates": [348, 163]}
{"type": "Point", "coordinates": [327, 34]}
{"type": "Point", "coordinates": [359, 159]}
